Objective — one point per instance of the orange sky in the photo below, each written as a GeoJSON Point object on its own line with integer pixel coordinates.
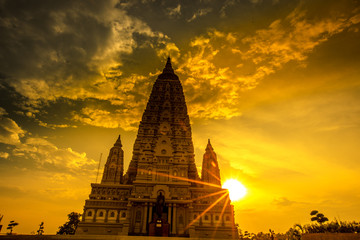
{"type": "Point", "coordinates": [274, 84]}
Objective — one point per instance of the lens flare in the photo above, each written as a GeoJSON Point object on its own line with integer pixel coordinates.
{"type": "Point", "coordinates": [236, 190]}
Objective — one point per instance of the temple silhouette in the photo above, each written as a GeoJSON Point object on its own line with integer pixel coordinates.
{"type": "Point", "coordinates": [161, 193]}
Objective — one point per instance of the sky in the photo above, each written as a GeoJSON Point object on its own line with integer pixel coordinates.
{"type": "Point", "coordinates": [275, 85]}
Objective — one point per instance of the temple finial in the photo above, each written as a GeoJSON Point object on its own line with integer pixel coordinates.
{"type": "Point", "coordinates": [168, 68]}
{"type": "Point", "coordinates": [118, 142]}
{"type": "Point", "coordinates": [208, 146]}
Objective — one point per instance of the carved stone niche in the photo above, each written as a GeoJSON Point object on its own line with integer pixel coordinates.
{"type": "Point", "coordinates": [163, 188]}
{"type": "Point", "coordinates": [140, 191]}
{"type": "Point", "coordinates": [180, 193]}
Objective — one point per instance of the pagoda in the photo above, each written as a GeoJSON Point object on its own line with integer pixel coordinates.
{"type": "Point", "coordinates": [161, 194]}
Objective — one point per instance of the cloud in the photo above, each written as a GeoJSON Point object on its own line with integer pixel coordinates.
{"type": "Point", "coordinates": [291, 39]}
{"type": "Point", "coordinates": [125, 119]}
{"type": "Point", "coordinates": [174, 12]}
{"type": "Point", "coordinates": [66, 49]}
{"type": "Point", "coordinates": [199, 13]}
{"type": "Point", "coordinates": [2, 112]}
{"type": "Point", "coordinates": [4, 155]}
{"type": "Point", "coordinates": [39, 152]}
{"type": "Point", "coordinates": [54, 126]}
{"type": "Point", "coordinates": [81, 51]}
{"type": "Point", "coordinates": [47, 156]}
{"type": "Point", "coordinates": [227, 4]}
{"type": "Point", "coordinates": [285, 202]}
{"type": "Point", "coordinates": [126, 107]}
{"type": "Point", "coordinates": [75, 51]}
{"type": "Point", "coordinates": [219, 66]}
{"type": "Point", "coordinates": [211, 90]}
{"type": "Point", "coordinates": [10, 132]}
{"type": "Point", "coordinates": [170, 49]}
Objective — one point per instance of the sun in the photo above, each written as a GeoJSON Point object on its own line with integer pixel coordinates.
{"type": "Point", "coordinates": [236, 189]}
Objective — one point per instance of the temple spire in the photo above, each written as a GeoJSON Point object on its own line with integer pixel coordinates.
{"type": "Point", "coordinates": [210, 168]}
{"type": "Point", "coordinates": [168, 67]}
{"type": "Point", "coordinates": [164, 133]}
{"type": "Point", "coordinates": [114, 166]}
{"type": "Point", "coordinates": [168, 72]}
{"type": "Point", "coordinates": [208, 146]}
{"type": "Point", "coordinates": [118, 142]}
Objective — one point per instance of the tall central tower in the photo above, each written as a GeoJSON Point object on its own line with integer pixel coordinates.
{"type": "Point", "coordinates": [161, 193]}
{"type": "Point", "coordinates": [164, 143]}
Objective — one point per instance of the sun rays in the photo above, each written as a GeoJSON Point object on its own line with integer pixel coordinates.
{"type": "Point", "coordinates": [236, 189]}
{"type": "Point", "coordinates": [225, 192]}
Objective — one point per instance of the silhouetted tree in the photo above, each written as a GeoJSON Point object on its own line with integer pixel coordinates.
{"type": "Point", "coordinates": [318, 217]}
{"type": "Point", "coordinates": [1, 217]}
{"type": "Point", "coordinates": [271, 234]}
{"type": "Point", "coordinates": [41, 228]}
{"type": "Point", "coordinates": [70, 226]}
{"type": "Point", "coordinates": [11, 225]}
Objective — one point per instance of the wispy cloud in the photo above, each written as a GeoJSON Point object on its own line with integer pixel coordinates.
{"type": "Point", "coordinates": [39, 152]}
{"type": "Point", "coordinates": [125, 119]}
{"type": "Point", "coordinates": [174, 12]}
{"type": "Point", "coordinates": [48, 157]}
{"type": "Point", "coordinates": [283, 202]}
{"type": "Point", "coordinates": [199, 13]}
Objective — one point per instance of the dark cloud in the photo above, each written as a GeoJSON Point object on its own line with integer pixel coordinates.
{"type": "Point", "coordinates": [57, 38]}
{"type": "Point", "coordinates": [63, 49]}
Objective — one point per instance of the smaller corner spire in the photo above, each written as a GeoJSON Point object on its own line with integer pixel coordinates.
{"type": "Point", "coordinates": [118, 142]}
{"type": "Point", "coordinates": [208, 146]}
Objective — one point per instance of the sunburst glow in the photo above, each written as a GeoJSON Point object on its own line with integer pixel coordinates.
{"type": "Point", "coordinates": [236, 189]}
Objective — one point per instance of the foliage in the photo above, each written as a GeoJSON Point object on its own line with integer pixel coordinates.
{"type": "Point", "coordinates": [318, 217]}
{"type": "Point", "coordinates": [11, 225]}
{"type": "Point", "coordinates": [297, 230]}
{"type": "Point", "coordinates": [333, 227]}
{"type": "Point", "coordinates": [70, 226]}
{"type": "Point", "coordinates": [41, 228]}
{"type": "Point", "coordinates": [1, 217]}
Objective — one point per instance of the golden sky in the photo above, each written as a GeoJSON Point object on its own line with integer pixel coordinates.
{"type": "Point", "coordinates": [274, 84]}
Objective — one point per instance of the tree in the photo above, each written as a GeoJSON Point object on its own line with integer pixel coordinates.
{"type": "Point", "coordinates": [11, 225]}
{"type": "Point", "coordinates": [70, 226]}
{"type": "Point", "coordinates": [272, 232]}
{"type": "Point", "coordinates": [1, 217]}
{"type": "Point", "coordinates": [318, 217]}
{"type": "Point", "coordinates": [41, 228]}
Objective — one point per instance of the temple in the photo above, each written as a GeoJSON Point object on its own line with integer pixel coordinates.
{"type": "Point", "coordinates": [161, 194]}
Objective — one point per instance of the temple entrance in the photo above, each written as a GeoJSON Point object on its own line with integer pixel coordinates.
{"type": "Point", "coordinates": [164, 213]}
{"type": "Point", "coordinates": [159, 225]}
